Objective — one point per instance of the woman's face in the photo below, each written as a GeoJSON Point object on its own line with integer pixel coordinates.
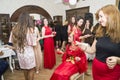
{"type": "Point", "coordinates": [87, 23]}
{"type": "Point", "coordinates": [102, 18]}
{"type": "Point", "coordinates": [45, 22]}
{"type": "Point", "coordinates": [73, 20]}
{"type": "Point", "coordinates": [80, 22]}
{"type": "Point", "coordinates": [70, 38]}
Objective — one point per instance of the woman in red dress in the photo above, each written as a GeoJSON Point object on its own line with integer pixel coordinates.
{"type": "Point", "coordinates": [73, 61]}
{"type": "Point", "coordinates": [49, 52]}
{"type": "Point", "coordinates": [77, 30]}
{"type": "Point", "coordinates": [71, 24]}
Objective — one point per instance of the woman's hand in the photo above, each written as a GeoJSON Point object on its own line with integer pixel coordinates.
{"type": "Point", "coordinates": [111, 62]}
{"type": "Point", "coordinates": [54, 33]}
{"type": "Point", "coordinates": [87, 35]}
{"type": "Point", "coordinates": [77, 58]}
{"type": "Point", "coordinates": [59, 51]}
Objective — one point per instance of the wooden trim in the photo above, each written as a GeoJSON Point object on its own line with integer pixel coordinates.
{"type": "Point", "coordinates": [30, 9]}
{"type": "Point", "coordinates": [76, 12]}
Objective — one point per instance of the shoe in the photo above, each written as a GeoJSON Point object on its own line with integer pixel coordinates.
{"type": "Point", "coordinates": [62, 49]}
{"type": "Point", "coordinates": [37, 72]}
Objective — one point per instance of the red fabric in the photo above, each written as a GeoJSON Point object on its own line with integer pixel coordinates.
{"type": "Point", "coordinates": [102, 72]}
{"type": "Point", "coordinates": [49, 52]}
{"type": "Point", "coordinates": [77, 34]}
{"type": "Point", "coordinates": [66, 69]}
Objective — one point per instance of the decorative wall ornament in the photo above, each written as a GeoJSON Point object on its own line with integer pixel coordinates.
{"type": "Point", "coordinates": [65, 0]}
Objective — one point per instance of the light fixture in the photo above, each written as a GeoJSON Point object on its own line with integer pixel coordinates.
{"type": "Point", "coordinates": [71, 2]}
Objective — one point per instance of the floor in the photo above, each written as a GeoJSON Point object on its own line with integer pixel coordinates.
{"type": "Point", "coordinates": [44, 74]}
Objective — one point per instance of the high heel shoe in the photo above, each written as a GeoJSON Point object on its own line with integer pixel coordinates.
{"type": "Point", "coordinates": [37, 71]}
{"type": "Point", "coordinates": [87, 73]}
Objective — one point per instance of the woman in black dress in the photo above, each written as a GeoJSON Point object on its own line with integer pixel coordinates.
{"type": "Point", "coordinates": [64, 34]}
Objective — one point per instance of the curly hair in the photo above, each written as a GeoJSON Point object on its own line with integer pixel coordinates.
{"type": "Point", "coordinates": [19, 32]}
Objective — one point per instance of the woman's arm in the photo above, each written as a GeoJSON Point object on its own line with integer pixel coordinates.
{"type": "Point", "coordinates": [85, 36]}
{"type": "Point", "coordinates": [87, 48]}
{"type": "Point", "coordinates": [83, 30]}
{"type": "Point", "coordinates": [91, 49]}
{"type": "Point", "coordinates": [69, 29]}
{"type": "Point", "coordinates": [11, 47]}
{"type": "Point", "coordinates": [10, 41]}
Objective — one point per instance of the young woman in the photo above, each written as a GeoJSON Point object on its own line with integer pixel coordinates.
{"type": "Point", "coordinates": [37, 50]}
{"type": "Point", "coordinates": [106, 64]}
{"type": "Point", "coordinates": [64, 34]}
{"type": "Point", "coordinates": [49, 51]}
{"type": "Point", "coordinates": [88, 30]}
{"type": "Point", "coordinates": [73, 62]}
{"type": "Point", "coordinates": [71, 24]}
{"type": "Point", "coordinates": [23, 41]}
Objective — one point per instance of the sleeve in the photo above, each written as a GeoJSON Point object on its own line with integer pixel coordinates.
{"type": "Point", "coordinates": [10, 38]}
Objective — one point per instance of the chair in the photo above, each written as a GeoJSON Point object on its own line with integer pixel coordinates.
{"type": "Point", "coordinates": [77, 76]}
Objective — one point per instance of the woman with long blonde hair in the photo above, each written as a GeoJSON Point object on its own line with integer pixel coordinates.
{"type": "Point", "coordinates": [106, 64]}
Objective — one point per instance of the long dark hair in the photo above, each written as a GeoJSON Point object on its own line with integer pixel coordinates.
{"type": "Point", "coordinates": [25, 22]}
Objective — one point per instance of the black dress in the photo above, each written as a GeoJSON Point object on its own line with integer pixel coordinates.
{"type": "Point", "coordinates": [104, 49]}
{"type": "Point", "coordinates": [58, 32]}
{"type": "Point", "coordinates": [64, 33]}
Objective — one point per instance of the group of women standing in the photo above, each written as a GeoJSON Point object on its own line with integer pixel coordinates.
{"type": "Point", "coordinates": [106, 45]}
{"type": "Point", "coordinates": [25, 37]}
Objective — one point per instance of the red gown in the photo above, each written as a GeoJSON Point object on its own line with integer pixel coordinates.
{"type": "Point", "coordinates": [49, 52]}
{"type": "Point", "coordinates": [67, 68]}
{"type": "Point", "coordinates": [77, 34]}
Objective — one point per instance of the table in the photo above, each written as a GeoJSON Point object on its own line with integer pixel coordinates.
{"type": "Point", "coordinates": [7, 53]}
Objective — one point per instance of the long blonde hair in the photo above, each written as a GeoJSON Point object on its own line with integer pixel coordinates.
{"type": "Point", "coordinates": [25, 22]}
{"type": "Point", "coordinates": [113, 23]}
